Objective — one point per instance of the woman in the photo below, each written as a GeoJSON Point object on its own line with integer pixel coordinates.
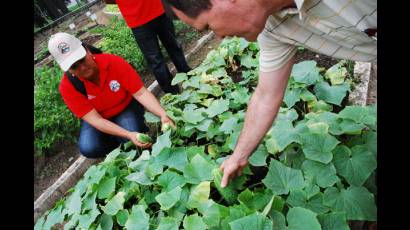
{"type": "Point", "coordinates": [110, 102]}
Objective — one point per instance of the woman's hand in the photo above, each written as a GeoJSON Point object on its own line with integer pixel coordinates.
{"type": "Point", "coordinates": [132, 136]}
{"type": "Point", "coordinates": [166, 120]}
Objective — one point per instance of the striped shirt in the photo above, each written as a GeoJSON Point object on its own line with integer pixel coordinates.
{"type": "Point", "coordinates": [331, 27]}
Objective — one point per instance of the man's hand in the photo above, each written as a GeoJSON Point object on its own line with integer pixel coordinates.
{"type": "Point", "coordinates": [231, 168]}
{"type": "Point", "coordinates": [132, 136]}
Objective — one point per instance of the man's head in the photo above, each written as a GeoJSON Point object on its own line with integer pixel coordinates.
{"type": "Point", "coordinates": [71, 56]}
{"type": "Point", "coordinates": [241, 18]}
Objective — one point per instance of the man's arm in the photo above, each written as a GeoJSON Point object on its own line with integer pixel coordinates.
{"type": "Point", "coordinates": [106, 126]}
{"type": "Point", "coordinates": [109, 1]}
{"type": "Point", "coordinates": [262, 110]}
{"type": "Point", "coordinates": [151, 103]}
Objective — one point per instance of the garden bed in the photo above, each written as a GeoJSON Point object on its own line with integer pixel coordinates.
{"type": "Point", "coordinates": [48, 168]}
{"type": "Point", "coordinates": [179, 175]}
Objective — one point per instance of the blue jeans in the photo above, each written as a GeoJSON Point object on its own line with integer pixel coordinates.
{"type": "Point", "coordinates": [94, 143]}
{"type": "Point", "coordinates": [147, 39]}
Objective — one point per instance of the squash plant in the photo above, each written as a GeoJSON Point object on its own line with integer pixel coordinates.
{"type": "Point", "coordinates": [315, 168]}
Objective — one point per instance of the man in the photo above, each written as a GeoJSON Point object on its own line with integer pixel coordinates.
{"type": "Point", "coordinates": [148, 22]}
{"type": "Point", "coordinates": [342, 29]}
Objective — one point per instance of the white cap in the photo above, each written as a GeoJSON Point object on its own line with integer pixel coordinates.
{"type": "Point", "coordinates": [66, 49]}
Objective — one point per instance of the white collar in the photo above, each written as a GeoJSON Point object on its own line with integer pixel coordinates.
{"type": "Point", "coordinates": [298, 10]}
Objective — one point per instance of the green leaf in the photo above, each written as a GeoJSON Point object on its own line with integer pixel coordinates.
{"type": "Point", "coordinates": [54, 217]}
{"type": "Point", "coordinates": [351, 127]}
{"type": "Point", "coordinates": [306, 95]}
{"type": "Point", "coordinates": [139, 177]}
{"type": "Point", "coordinates": [199, 194]}
{"type": "Point", "coordinates": [217, 107]}
{"type": "Point", "coordinates": [254, 221]}
{"type": "Point", "coordinates": [355, 165]}
{"type": "Point", "coordinates": [150, 117]}
{"type": "Point", "coordinates": [331, 94]}
{"type": "Point", "coordinates": [106, 187]}
{"type": "Point", "coordinates": [318, 147]}
{"type": "Point", "coordinates": [319, 106]}
{"type": "Point", "coordinates": [258, 157]}
{"type": "Point", "coordinates": [114, 204]}
{"type": "Point", "coordinates": [198, 170]}
{"type": "Point", "coordinates": [323, 175]}
{"type": "Point", "coordinates": [74, 203]}
{"type": "Point", "coordinates": [255, 200]}
{"type": "Point", "coordinates": [193, 116]}
{"type": "Point", "coordinates": [318, 127]}
{"type": "Point", "coordinates": [281, 135]}
{"type": "Point", "coordinates": [298, 198]}
{"type": "Point", "coordinates": [333, 221]}
{"type": "Point", "coordinates": [168, 223]}
{"type": "Point", "coordinates": [337, 74]}
{"type": "Point", "coordinates": [204, 125]}
{"type": "Point", "coordinates": [89, 201]}
{"type": "Point", "coordinates": [85, 220]}
{"type": "Point", "coordinates": [106, 222]}
{"type": "Point", "coordinates": [194, 150]}
{"type": "Point", "coordinates": [179, 77]}
{"type": "Point", "coordinates": [305, 72]}
{"type": "Point", "coordinates": [194, 222]}
{"type": "Point", "coordinates": [248, 61]}
{"type": "Point", "coordinates": [212, 213]}
{"type": "Point", "coordinates": [168, 199]}
{"type": "Point", "coordinates": [356, 202]}
{"type": "Point", "coordinates": [281, 179]}
{"type": "Point", "coordinates": [228, 125]}
{"type": "Point", "coordinates": [302, 219]}
{"type": "Point", "coordinates": [169, 180]}
{"type": "Point", "coordinates": [292, 96]}
{"type": "Point", "coordinates": [122, 217]}
{"type": "Point", "coordinates": [138, 219]}
{"type": "Point", "coordinates": [162, 142]}
{"type": "Point", "coordinates": [152, 170]}
{"type": "Point", "coordinates": [359, 114]}
{"type": "Point", "coordinates": [174, 158]}
{"type": "Point", "coordinates": [240, 96]}
{"type": "Point", "coordinates": [278, 220]}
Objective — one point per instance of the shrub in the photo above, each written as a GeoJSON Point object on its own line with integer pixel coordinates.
{"type": "Point", "coordinates": [53, 122]}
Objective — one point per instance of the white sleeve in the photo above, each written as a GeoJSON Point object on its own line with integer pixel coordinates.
{"type": "Point", "coordinates": [273, 53]}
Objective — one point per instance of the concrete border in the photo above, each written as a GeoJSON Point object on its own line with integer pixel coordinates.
{"type": "Point", "coordinates": [362, 71]}
{"type": "Point", "coordinates": [68, 179]}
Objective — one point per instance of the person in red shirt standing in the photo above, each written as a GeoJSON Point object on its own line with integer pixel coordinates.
{"type": "Point", "coordinates": [110, 104]}
{"type": "Point", "coordinates": [148, 22]}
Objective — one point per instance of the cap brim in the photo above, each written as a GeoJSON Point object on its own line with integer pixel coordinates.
{"type": "Point", "coordinates": [75, 56]}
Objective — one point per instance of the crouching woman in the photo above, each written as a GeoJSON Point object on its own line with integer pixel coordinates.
{"type": "Point", "coordinates": [106, 93]}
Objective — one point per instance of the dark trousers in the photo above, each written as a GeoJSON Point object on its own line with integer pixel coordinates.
{"type": "Point", "coordinates": [94, 143]}
{"type": "Point", "coordinates": [147, 38]}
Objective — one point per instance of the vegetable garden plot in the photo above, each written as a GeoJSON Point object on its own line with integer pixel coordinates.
{"type": "Point", "coordinates": [315, 168]}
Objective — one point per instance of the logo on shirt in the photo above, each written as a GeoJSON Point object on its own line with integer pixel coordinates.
{"type": "Point", "coordinates": [114, 85]}
{"type": "Point", "coordinates": [64, 48]}
{"type": "Point", "coordinates": [90, 97]}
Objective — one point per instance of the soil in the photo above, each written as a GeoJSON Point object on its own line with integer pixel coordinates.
{"type": "Point", "coordinates": [321, 60]}
{"type": "Point", "coordinates": [47, 169]}
{"type": "Point", "coordinates": [372, 92]}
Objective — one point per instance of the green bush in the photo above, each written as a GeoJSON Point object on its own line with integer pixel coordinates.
{"type": "Point", "coordinates": [119, 40]}
{"type": "Point", "coordinates": [53, 122]}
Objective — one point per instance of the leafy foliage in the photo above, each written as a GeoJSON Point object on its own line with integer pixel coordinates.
{"type": "Point", "coordinates": [305, 173]}
{"type": "Point", "coordinates": [53, 122]}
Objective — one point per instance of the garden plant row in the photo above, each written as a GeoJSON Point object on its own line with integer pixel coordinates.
{"type": "Point", "coordinates": [315, 168]}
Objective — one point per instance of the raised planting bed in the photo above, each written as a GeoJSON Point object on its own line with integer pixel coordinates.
{"type": "Point", "coordinates": [315, 168]}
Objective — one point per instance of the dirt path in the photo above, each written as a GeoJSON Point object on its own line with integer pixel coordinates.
{"type": "Point", "coordinates": [49, 168]}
